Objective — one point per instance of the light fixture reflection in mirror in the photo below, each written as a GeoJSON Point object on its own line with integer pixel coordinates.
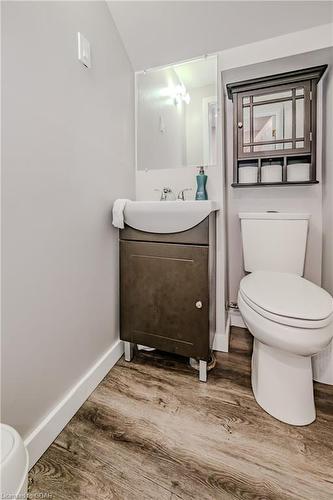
{"type": "Point", "coordinates": [177, 115]}
{"type": "Point", "coordinates": [177, 93]}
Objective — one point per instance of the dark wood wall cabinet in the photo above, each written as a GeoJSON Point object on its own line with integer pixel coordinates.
{"type": "Point", "coordinates": [167, 291]}
{"type": "Point", "coordinates": [275, 128]}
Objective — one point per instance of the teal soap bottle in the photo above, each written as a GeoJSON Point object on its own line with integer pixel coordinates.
{"type": "Point", "coordinates": [201, 193]}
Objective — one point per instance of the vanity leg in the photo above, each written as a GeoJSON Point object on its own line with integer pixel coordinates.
{"type": "Point", "coordinates": [129, 347]}
{"type": "Point", "coordinates": [202, 371]}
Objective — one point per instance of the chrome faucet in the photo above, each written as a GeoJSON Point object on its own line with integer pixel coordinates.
{"type": "Point", "coordinates": [181, 195]}
{"type": "Point", "coordinates": [166, 194]}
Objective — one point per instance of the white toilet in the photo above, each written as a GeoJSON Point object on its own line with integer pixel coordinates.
{"type": "Point", "coordinates": [290, 318]}
{"type": "Point", "coordinates": [14, 464]}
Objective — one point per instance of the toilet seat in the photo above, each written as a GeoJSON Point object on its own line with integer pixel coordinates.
{"type": "Point", "coordinates": [287, 299]}
{"type": "Point", "coordinates": [285, 320]}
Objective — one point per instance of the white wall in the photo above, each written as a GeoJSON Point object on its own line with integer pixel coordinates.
{"type": "Point", "coordinates": [327, 274]}
{"type": "Point", "coordinates": [176, 179]}
{"type": "Point", "coordinates": [307, 199]}
{"type": "Point", "coordinates": [67, 154]}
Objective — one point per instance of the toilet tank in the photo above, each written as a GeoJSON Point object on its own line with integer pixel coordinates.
{"type": "Point", "coordinates": [274, 241]}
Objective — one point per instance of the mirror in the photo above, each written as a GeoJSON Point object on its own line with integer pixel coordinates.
{"type": "Point", "coordinates": [177, 115]}
{"type": "Point", "coordinates": [273, 119]}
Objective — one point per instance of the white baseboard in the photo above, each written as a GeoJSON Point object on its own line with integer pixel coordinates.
{"type": "Point", "coordinates": [236, 318]}
{"type": "Point", "coordinates": [45, 433]}
{"type": "Point", "coordinates": [221, 340]}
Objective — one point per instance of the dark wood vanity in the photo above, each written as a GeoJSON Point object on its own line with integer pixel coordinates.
{"type": "Point", "coordinates": [167, 290]}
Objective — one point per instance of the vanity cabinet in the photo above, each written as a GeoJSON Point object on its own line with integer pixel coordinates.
{"type": "Point", "coordinates": [274, 125]}
{"type": "Point", "coordinates": [167, 289]}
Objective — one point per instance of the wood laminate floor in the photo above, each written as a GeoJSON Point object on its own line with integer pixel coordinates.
{"type": "Point", "coordinates": [151, 431]}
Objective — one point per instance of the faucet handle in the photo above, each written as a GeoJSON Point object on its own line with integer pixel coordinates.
{"type": "Point", "coordinates": [181, 195]}
{"type": "Point", "coordinates": [166, 194]}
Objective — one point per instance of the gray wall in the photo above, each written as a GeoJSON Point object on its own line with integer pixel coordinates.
{"type": "Point", "coordinates": [307, 199]}
{"type": "Point", "coordinates": [327, 275]}
{"type": "Point", "coordinates": [67, 154]}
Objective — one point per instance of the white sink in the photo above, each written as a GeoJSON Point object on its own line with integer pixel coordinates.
{"type": "Point", "coordinates": [167, 216]}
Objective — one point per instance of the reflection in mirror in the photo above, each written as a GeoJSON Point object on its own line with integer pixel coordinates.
{"type": "Point", "coordinates": [300, 118]}
{"type": "Point", "coordinates": [272, 121]}
{"type": "Point", "coordinates": [246, 125]}
{"type": "Point", "coordinates": [177, 115]}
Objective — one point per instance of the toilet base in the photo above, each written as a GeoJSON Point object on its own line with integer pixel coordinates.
{"type": "Point", "coordinates": [282, 384]}
{"type": "Point", "coordinates": [322, 365]}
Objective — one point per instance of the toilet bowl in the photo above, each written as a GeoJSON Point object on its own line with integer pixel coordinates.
{"type": "Point", "coordinates": [291, 320]}
{"type": "Point", "coordinates": [14, 464]}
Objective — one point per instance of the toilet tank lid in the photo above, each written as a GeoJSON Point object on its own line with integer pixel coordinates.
{"type": "Point", "coordinates": [273, 215]}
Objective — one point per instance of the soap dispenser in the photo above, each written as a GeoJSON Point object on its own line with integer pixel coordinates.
{"type": "Point", "coordinates": [201, 193]}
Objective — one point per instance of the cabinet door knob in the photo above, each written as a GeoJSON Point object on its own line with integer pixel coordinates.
{"type": "Point", "coordinates": [198, 304]}
{"type": "Point", "coordinates": [240, 125]}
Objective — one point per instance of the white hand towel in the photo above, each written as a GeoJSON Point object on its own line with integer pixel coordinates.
{"type": "Point", "coordinates": [118, 213]}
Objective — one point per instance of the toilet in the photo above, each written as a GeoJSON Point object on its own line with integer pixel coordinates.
{"type": "Point", "coordinates": [14, 464]}
{"type": "Point", "coordinates": [290, 318]}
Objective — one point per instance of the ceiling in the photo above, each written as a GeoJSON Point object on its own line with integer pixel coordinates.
{"type": "Point", "coordinates": [156, 33]}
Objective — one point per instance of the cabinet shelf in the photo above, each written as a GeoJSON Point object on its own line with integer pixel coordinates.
{"type": "Point", "coordinates": [263, 184]}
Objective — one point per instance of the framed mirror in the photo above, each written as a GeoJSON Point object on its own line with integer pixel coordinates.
{"type": "Point", "coordinates": [277, 119]}
{"type": "Point", "coordinates": [176, 120]}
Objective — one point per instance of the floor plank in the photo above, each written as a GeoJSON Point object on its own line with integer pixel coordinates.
{"type": "Point", "coordinates": [151, 431]}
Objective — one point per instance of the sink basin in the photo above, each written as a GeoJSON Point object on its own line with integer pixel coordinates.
{"type": "Point", "coordinates": [167, 216]}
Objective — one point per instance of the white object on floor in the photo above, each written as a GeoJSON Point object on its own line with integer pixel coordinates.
{"type": "Point", "coordinates": [271, 173]}
{"type": "Point", "coordinates": [248, 175]}
{"type": "Point", "coordinates": [145, 348]}
{"type": "Point", "coordinates": [298, 172]}
{"type": "Point", "coordinates": [14, 464]}
{"type": "Point", "coordinates": [281, 361]}
{"type": "Point", "coordinates": [322, 365]}
{"type": "Point", "coordinates": [290, 318]}
{"type": "Point", "coordinates": [118, 213]}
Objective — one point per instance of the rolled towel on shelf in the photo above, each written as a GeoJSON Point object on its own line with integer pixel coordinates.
{"type": "Point", "coordinates": [271, 173]}
{"type": "Point", "coordinates": [248, 175]}
{"type": "Point", "coordinates": [118, 213]}
{"type": "Point", "coordinates": [298, 172]}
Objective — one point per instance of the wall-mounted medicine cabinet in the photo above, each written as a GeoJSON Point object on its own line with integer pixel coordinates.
{"type": "Point", "coordinates": [275, 128]}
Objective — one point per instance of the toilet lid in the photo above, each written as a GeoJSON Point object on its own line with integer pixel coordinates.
{"type": "Point", "coordinates": [289, 295]}
{"type": "Point", "coordinates": [14, 462]}
{"type": "Point", "coordinates": [7, 443]}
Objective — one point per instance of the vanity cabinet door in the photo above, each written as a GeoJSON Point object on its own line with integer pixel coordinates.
{"type": "Point", "coordinates": [165, 296]}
